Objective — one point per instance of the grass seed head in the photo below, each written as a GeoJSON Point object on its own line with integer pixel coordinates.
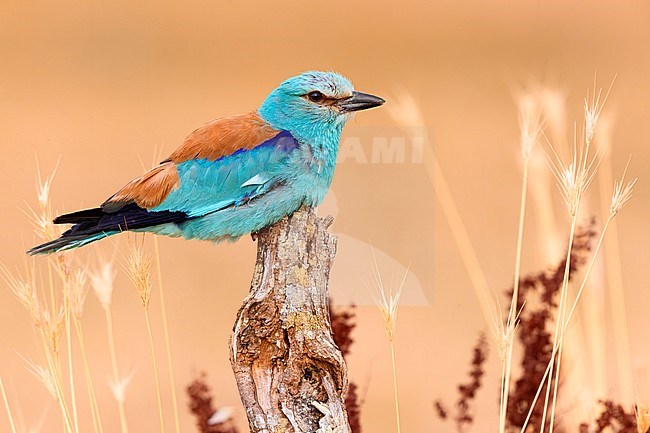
{"type": "Point", "coordinates": [575, 175]}
{"type": "Point", "coordinates": [502, 330]}
{"type": "Point", "coordinates": [529, 116]}
{"type": "Point", "coordinates": [504, 335]}
{"type": "Point", "coordinates": [78, 290]}
{"type": "Point", "coordinates": [52, 324]}
{"type": "Point", "coordinates": [102, 281]}
{"type": "Point", "coordinates": [386, 298]}
{"type": "Point", "coordinates": [25, 292]}
{"type": "Point", "coordinates": [139, 269]}
{"type": "Point", "coordinates": [621, 195]}
{"type": "Point", "coordinates": [42, 217]}
{"type": "Point", "coordinates": [593, 109]}
{"type": "Point", "coordinates": [44, 375]}
{"type": "Point", "coordinates": [119, 388]}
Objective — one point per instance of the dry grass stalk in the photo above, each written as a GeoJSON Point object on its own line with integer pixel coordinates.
{"type": "Point", "coordinates": [9, 415]}
{"type": "Point", "coordinates": [538, 303]}
{"type": "Point", "coordinates": [102, 281]}
{"type": "Point", "coordinates": [50, 335]}
{"type": "Point", "coordinates": [387, 301]}
{"type": "Point", "coordinates": [574, 177]}
{"type": "Point", "coordinates": [616, 302]}
{"type": "Point", "coordinates": [529, 117]}
{"type": "Point", "coordinates": [158, 156]}
{"type": "Point", "coordinates": [618, 202]}
{"type": "Point", "coordinates": [73, 287]}
{"type": "Point", "coordinates": [49, 318]}
{"type": "Point", "coordinates": [94, 407]}
{"type": "Point", "coordinates": [406, 112]}
{"type": "Point", "coordinates": [505, 338]}
{"type": "Point", "coordinates": [73, 281]}
{"type": "Point", "coordinates": [619, 199]}
{"type": "Point", "coordinates": [68, 333]}
{"type": "Point", "coordinates": [552, 245]}
{"type": "Point", "coordinates": [49, 377]}
{"type": "Point", "coordinates": [76, 295]}
{"type": "Point", "coordinates": [168, 350]}
{"type": "Point", "coordinates": [139, 270]}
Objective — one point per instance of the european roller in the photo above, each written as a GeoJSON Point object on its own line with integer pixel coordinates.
{"type": "Point", "coordinates": [234, 175]}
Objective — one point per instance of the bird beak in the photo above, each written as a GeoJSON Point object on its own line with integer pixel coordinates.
{"type": "Point", "coordinates": [359, 101]}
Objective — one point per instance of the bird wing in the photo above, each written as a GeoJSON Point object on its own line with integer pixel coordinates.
{"type": "Point", "coordinates": [224, 163]}
{"type": "Point", "coordinates": [209, 186]}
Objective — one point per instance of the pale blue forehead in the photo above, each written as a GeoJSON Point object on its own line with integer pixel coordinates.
{"type": "Point", "coordinates": [328, 83]}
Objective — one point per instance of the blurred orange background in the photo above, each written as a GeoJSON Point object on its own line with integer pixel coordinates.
{"type": "Point", "coordinates": [101, 86]}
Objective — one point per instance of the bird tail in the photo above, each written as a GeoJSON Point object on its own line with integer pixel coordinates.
{"type": "Point", "coordinates": [67, 242]}
{"type": "Point", "coordinates": [91, 225]}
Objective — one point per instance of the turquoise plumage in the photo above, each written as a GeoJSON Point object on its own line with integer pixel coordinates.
{"type": "Point", "coordinates": [235, 175]}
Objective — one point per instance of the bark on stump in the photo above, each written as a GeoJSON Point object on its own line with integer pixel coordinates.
{"type": "Point", "coordinates": [290, 373]}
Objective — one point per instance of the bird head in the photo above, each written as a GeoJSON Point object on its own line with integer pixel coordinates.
{"type": "Point", "coordinates": [314, 100]}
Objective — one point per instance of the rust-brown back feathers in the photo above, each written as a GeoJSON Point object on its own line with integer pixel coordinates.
{"type": "Point", "coordinates": [212, 141]}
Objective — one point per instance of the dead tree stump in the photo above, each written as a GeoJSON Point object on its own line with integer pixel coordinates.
{"type": "Point", "coordinates": [290, 373]}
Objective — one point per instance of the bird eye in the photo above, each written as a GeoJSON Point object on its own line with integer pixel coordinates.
{"type": "Point", "coordinates": [315, 96]}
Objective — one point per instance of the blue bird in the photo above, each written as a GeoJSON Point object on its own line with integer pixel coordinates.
{"type": "Point", "coordinates": [235, 175]}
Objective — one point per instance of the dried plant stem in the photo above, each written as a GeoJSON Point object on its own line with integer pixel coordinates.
{"type": "Point", "coordinates": [9, 415]}
{"type": "Point", "coordinates": [407, 113]}
{"type": "Point", "coordinates": [73, 392]}
{"type": "Point", "coordinates": [155, 370]}
{"type": "Point", "coordinates": [54, 368]}
{"type": "Point", "coordinates": [619, 320]}
{"type": "Point", "coordinates": [50, 277]}
{"type": "Point", "coordinates": [116, 375]}
{"type": "Point", "coordinates": [53, 362]}
{"type": "Point", "coordinates": [168, 350]}
{"type": "Point", "coordinates": [612, 257]}
{"type": "Point", "coordinates": [503, 396]}
{"type": "Point", "coordinates": [94, 407]}
{"type": "Point", "coordinates": [512, 314]}
{"type": "Point", "coordinates": [568, 320]}
{"type": "Point", "coordinates": [557, 338]}
{"type": "Point", "coordinates": [392, 356]}
{"type": "Point", "coordinates": [588, 271]}
{"type": "Point", "coordinates": [387, 300]}
{"type": "Point", "coordinates": [579, 190]}
{"type": "Point", "coordinates": [459, 232]}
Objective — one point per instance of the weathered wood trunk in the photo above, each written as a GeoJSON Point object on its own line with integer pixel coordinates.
{"type": "Point", "coordinates": [290, 373]}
